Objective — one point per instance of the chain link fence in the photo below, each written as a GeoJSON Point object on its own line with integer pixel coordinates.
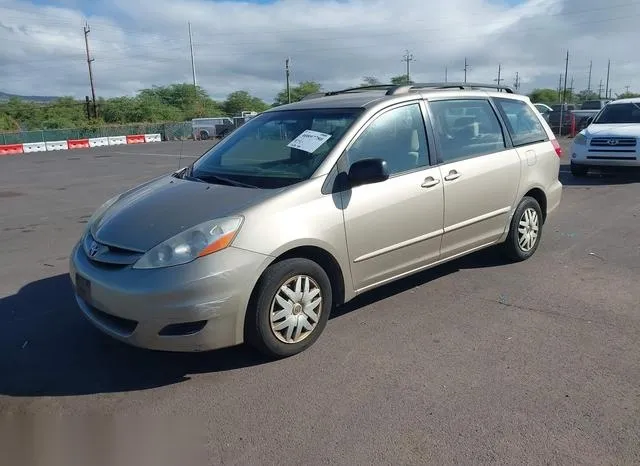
{"type": "Point", "coordinates": [169, 131]}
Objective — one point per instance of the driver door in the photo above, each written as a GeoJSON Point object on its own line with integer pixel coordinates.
{"type": "Point", "coordinates": [393, 227]}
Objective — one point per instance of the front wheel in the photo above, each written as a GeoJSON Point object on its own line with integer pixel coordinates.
{"type": "Point", "coordinates": [525, 230]}
{"type": "Point", "coordinates": [290, 308]}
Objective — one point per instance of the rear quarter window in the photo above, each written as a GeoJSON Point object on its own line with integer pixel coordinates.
{"type": "Point", "coordinates": [522, 122]}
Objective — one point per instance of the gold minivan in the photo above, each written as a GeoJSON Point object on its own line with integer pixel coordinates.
{"type": "Point", "coordinates": [310, 204]}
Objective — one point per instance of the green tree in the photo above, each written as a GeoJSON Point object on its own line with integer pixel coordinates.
{"type": "Point", "coordinates": [298, 92]}
{"type": "Point", "coordinates": [370, 81]}
{"type": "Point", "coordinates": [585, 95]}
{"type": "Point", "coordinates": [401, 80]}
{"type": "Point", "coordinates": [240, 101]}
{"type": "Point", "coordinates": [544, 96]}
{"type": "Point", "coordinates": [627, 95]}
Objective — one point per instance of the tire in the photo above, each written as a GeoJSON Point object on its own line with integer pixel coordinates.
{"type": "Point", "coordinates": [270, 299]}
{"type": "Point", "coordinates": [525, 211]}
{"type": "Point", "coordinates": [204, 135]}
{"type": "Point", "coordinates": [579, 170]}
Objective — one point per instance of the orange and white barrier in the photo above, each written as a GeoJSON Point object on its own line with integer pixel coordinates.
{"type": "Point", "coordinates": [98, 142]}
{"type": "Point", "coordinates": [49, 146]}
{"type": "Point", "coordinates": [78, 143]}
{"type": "Point", "coordinates": [34, 147]}
{"type": "Point", "coordinates": [57, 145]}
{"type": "Point", "coordinates": [11, 149]}
{"type": "Point", "coordinates": [152, 137]}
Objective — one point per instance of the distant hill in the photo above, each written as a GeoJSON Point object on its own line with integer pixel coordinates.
{"type": "Point", "coordinates": [4, 97]}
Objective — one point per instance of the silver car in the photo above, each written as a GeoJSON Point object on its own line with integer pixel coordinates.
{"type": "Point", "coordinates": [310, 204]}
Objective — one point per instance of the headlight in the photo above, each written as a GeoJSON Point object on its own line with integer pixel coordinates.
{"type": "Point", "coordinates": [199, 241]}
{"type": "Point", "coordinates": [580, 139]}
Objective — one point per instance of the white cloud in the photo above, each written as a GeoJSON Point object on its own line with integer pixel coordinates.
{"type": "Point", "coordinates": [243, 46]}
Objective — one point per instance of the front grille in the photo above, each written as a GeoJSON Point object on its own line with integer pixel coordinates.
{"type": "Point", "coordinates": [613, 142]}
{"type": "Point", "coordinates": [610, 157]}
{"type": "Point", "coordinates": [108, 256]}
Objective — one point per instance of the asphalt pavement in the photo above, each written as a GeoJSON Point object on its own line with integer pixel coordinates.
{"type": "Point", "coordinates": [476, 361]}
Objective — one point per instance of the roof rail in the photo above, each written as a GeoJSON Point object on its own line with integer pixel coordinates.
{"type": "Point", "coordinates": [315, 95]}
{"type": "Point", "coordinates": [446, 85]}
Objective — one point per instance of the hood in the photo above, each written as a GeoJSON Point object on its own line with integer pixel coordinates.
{"type": "Point", "coordinates": [626, 130]}
{"type": "Point", "coordinates": [154, 212]}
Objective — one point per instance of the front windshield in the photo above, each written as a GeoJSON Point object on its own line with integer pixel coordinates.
{"type": "Point", "coordinates": [275, 149]}
{"type": "Point", "coordinates": [619, 114]}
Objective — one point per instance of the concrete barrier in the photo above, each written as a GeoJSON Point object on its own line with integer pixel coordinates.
{"type": "Point", "coordinates": [78, 143]}
{"type": "Point", "coordinates": [98, 142]}
{"type": "Point", "coordinates": [11, 149]}
{"type": "Point", "coordinates": [136, 139]}
{"type": "Point", "coordinates": [34, 147]}
{"type": "Point", "coordinates": [57, 145]}
{"type": "Point", "coordinates": [152, 138]}
{"type": "Point", "coordinates": [117, 140]}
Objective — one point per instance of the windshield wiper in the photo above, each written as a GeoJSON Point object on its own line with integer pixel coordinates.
{"type": "Point", "coordinates": [229, 181]}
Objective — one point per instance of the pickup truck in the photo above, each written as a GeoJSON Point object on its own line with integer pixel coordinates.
{"type": "Point", "coordinates": [589, 109]}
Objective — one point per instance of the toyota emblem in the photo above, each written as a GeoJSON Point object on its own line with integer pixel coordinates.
{"type": "Point", "coordinates": [94, 248]}
{"type": "Point", "coordinates": [612, 142]}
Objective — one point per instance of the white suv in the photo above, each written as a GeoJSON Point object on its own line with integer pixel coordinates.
{"type": "Point", "coordinates": [610, 140]}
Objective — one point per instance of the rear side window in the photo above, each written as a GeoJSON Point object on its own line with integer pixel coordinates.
{"type": "Point", "coordinates": [522, 122]}
{"type": "Point", "coordinates": [466, 128]}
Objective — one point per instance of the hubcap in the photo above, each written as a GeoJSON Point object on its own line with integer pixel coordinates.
{"type": "Point", "coordinates": [295, 309]}
{"type": "Point", "coordinates": [528, 229]}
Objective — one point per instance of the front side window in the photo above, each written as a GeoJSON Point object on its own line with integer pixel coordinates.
{"type": "Point", "coordinates": [628, 113]}
{"type": "Point", "coordinates": [397, 136]}
{"type": "Point", "coordinates": [523, 124]}
{"type": "Point", "coordinates": [466, 128]}
{"type": "Point", "coordinates": [277, 148]}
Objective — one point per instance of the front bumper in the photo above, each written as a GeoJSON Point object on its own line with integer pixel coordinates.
{"type": "Point", "coordinates": [584, 155]}
{"type": "Point", "coordinates": [198, 306]}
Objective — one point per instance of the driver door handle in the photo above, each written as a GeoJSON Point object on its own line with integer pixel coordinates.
{"type": "Point", "coordinates": [453, 175]}
{"type": "Point", "coordinates": [429, 182]}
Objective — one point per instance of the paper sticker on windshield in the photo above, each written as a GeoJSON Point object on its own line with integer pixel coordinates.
{"type": "Point", "coordinates": [309, 141]}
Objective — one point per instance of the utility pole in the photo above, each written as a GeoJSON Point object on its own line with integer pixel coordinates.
{"type": "Point", "coordinates": [466, 67]}
{"type": "Point", "coordinates": [193, 62]}
{"type": "Point", "coordinates": [600, 88]}
{"type": "Point", "coordinates": [408, 58]}
{"type": "Point", "coordinates": [560, 89]}
{"type": "Point", "coordinates": [517, 82]}
{"type": "Point", "coordinates": [571, 89]}
{"type": "Point", "coordinates": [589, 82]}
{"type": "Point", "coordinates": [446, 75]}
{"type": "Point", "coordinates": [287, 73]}
{"type": "Point", "coordinates": [499, 72]}
{"type": "Point", "coordinates": [564, 93]}
{"type": "Point", "coordinates": [87, 30]}
{"type": "Point", "coordinates": [606, 89]}
{"type": "Point", "coordinates": [627, 88]}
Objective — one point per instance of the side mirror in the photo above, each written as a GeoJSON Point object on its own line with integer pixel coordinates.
{"type": "Point", "coordinates": [368, 171]}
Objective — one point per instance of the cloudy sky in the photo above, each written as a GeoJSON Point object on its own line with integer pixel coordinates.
{"type": "Point", "coordinates": [243, 44]}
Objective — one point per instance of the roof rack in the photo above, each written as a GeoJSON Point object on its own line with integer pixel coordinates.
{"type": "Point", "coordinates": [394, 89]}
{"type": "Point", "coordinates": [448, 85]}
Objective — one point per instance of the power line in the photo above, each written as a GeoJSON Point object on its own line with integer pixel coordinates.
{"type": "Point", "coordinates": [87, 30]}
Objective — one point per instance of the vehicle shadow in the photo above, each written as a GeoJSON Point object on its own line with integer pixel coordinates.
{"type": "Point", "coordinates": [47, 348]}
{"type": "Point", "coordinates": [599, 177]}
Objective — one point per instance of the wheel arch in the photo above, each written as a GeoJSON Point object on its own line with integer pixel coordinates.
{"type": "Point", "coordinates": [539, 195]}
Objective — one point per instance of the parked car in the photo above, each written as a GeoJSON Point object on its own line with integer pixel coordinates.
{"type": "Point", "coordinates": [311, 204]}
{"type": "Point", "coordinates": [588, 109]}
{"type": "Point", "coordinates": [544, 110]}
{"type": "Point", "coordinates": [610, 140]}
{"type": "Point", "coordinates": [210, 128]}
{"type": "Point", "coordinates": [561, 111]}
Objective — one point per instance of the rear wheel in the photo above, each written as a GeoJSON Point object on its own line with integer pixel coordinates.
{"type": "Point", "coordinates": [579, 170]}
{"type": "Point", "coordinates": [204, 135]}
{"type": "Point", "coordinates": [290, 308]}
{"type": "Point", "coordinates": [525, 230]}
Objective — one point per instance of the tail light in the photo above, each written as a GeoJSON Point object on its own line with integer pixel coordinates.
{"type": "Point", "coordinates": [556, 146]}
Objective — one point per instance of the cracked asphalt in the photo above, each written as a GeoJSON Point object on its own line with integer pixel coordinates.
{"type": "Point", "coordinates": [474, 362]}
